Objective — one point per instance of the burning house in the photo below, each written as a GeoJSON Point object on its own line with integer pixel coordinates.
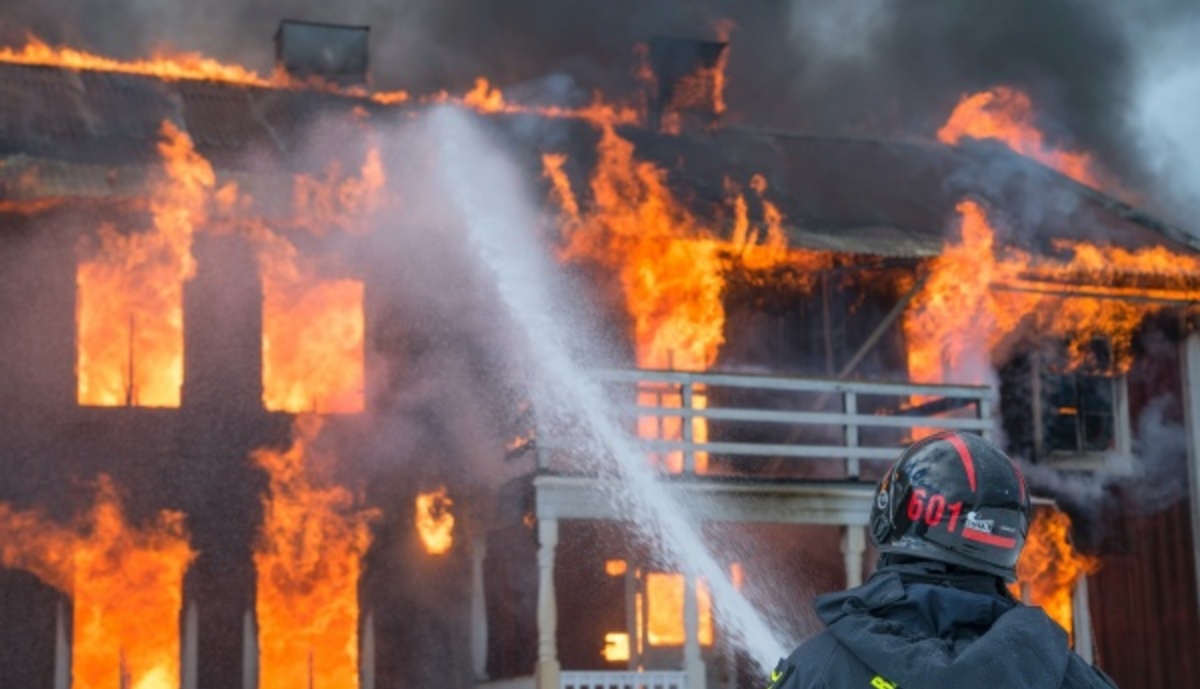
{"type": "Point", "coordinates": [244, 445]}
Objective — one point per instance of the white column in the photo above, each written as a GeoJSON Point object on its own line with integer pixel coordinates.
{"type": "Point", "coordinates": [1191, 425]}
{"type": "Point", "coordinates": [1081, 619]}
{"type": "Point", "coordinates": [854, 542]}
{"type": "Point", "coordinates": [548, 668]}
{"type": "Point", "coordinates": [693, 664]}
{"type": "Point", "coordinates": [62, 650]}
{"type": "Point", "coordinates": [191, 648]}
{"type": "Point", "coordinates": [249, 652]}
{"type": "Point", "coordinates": [479, 622]}
{"type": "Point", "coordinates": [366, 658]}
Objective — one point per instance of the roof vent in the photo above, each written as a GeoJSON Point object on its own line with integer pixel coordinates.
{"type": "Point", "coordinates": [333, 52]}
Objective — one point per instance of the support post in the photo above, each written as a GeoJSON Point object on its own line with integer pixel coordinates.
{"type": "Point", "coordinates": [249, 652]}
{"type": "Point", "coordinates": [1191, 425]}
{"type": "Point", "coordinates": [366, 658]}
{"type": "Point", "coordinates": [854, 543]}
{"type": "Point", "coordinates": [693, 664]}
{"type": "Point", "coordinates": [1081, 619]}
{"type": "Point", "coordinates": [479, 622]}
{"type": "Point", "coordinates": [62, 650]}
{"type": "Point", "coordinates": [686, 431]}
{"type": "Point", "coordinates": [548, 668]}
{"type": "Point", "coordinates": [191, 648]}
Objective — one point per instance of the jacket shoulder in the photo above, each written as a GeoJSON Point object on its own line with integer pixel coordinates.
{"type": "Point", "coordinates": [822, 662]}
{"type": "Point", "coordinates": [1081, 675]}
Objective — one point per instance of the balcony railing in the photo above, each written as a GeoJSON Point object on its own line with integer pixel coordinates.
{"type": "Point", "coordinates": [681, 418]}
{"type": "Point", "coordinates": [623, 680]}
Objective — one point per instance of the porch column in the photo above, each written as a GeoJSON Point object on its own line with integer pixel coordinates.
{"type": "Point", "coordinates": [854, 542]}
{"type": "Point", "coordinates": [249, 651]}
{"type": "Point", "coordinates": [548, 668]}
{"type": "Point", "coordinates": [1191, 425]}
{"type": "Point", "coordinates": [1081, 619]}
{"type": "Point", "coordinates": [479, 626]}
{"type": "Point", "coordinates": [693, 664]}
{"type": "Point", "coordinates": [366, 657]}
{"type": "Point", "coordinates": [62, 650]}
{"type": "Point", "coordinates": [191, 648]}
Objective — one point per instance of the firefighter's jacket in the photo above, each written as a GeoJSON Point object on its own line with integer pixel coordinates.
{"type": "Point", "coordinates": [914, 627]}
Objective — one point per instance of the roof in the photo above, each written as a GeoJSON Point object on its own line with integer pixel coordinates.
{"type": "Point", "coordinates": [91, 133]}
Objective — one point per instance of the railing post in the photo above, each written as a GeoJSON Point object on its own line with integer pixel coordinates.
{"type": "Point", "coordinates": [850, 405]}
{"type": "Point", "coordinates": [985, 413]}
{"type": "Point", "coordinates": [687, 396]}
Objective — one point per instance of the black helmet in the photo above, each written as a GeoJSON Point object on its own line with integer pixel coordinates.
{"type": "Point", "coordinates": [954, 498]}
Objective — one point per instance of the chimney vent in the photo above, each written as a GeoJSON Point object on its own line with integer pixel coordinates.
{"type": "Point", "coordinates": [333, 52]}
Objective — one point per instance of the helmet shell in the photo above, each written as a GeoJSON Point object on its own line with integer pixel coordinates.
{"type": "Point", "coordinates": [955, 498]}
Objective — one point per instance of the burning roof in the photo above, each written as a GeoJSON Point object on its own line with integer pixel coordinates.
{"type": "Point", "coordinates": [89, 133]}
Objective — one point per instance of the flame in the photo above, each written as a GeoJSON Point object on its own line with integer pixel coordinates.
{"type": "Point", "coordinates": [665, 618]}
{"type": "Point", "coordinates": [190, 66]}
{"type": "Point", "coordinates": [435, 523]}
{"type": "Point", "coordinates": [313, 329]}
{"type": "Point", "coordinates": [1050, 567]}
{"type": "Point", "coordinates": [1006, 114]}
{"type": "Point", "coordinates": [308, 560]}
{"type": "Point", "coordinates": [129, 313]}
{"type": "Point", "coordinates": [978, 296]}
{"type": "Point", "coordinates": [126, 584]}
{"type": "Point", "coordinates": [615, 568]}
{"type": "Point", "coordinates": [670, 266]}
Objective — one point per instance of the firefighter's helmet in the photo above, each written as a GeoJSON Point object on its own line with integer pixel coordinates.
{"type": "Point", "coordinates": [955, 498]}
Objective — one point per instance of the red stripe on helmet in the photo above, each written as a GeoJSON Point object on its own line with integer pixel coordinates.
{"type": "Point", "coordinates": [989, 539]}
{"type": "Point", "coordinates": [965, 455]}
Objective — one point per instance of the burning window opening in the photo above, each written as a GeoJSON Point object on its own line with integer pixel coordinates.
{"type": "Point", "coordinates": [1050, 568]}
{"type": "Point", "coordinates": [312, 346]}
{"type": "Point", "coordinates": [664, 602]}
{"type": "Point", "coordinates": [125, 584]}
{"type": "Point", "coordinates": [129, 309]}
{"type": "Point", "coordinates": [616, 647]}
{"type": "Point", "coordinates": [435, 522]}
{"type": "Point", "coordinates": [308, 560]}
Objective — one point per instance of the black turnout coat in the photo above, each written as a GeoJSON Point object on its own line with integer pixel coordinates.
{"type": "Point", "coordinates": [929, 626]}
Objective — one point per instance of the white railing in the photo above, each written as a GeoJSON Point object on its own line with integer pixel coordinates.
{"type": "Point", "coordinates": [719, 414]}
{"type": "Point", "coordinates": [609, 679]}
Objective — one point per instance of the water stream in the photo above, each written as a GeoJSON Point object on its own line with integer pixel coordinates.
{"type": "Point", "coordinates": [487, 192]}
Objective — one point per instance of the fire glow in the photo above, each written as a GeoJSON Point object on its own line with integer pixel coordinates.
{"type": "Point", "coordinates": [670, 267]}
{"type": "Point", "coordinates": [977, 296]}
{"type": "Point", "coordinates": [308, 561]}
{"type": "Point", "coordinates": [129, 312]}
{"type": "Point", "coordinates": [1006, 114]}
{"type": "Point", "coordinates": [435, 522]}
{"type": "Point", "coordinates": [1049, 567]}
{"type": "Point", "coordinates": [125, 583]}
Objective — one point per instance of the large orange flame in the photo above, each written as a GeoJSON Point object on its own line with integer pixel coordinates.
{"type": "Point", "coordinates": [670, 265]}
{"type": "Point", "coordinates": [129, 312]}
{"type": "Point", "coordinates": [1006, 114]}
{"type": "Point", "coordinates": [1050, 567]}
{"type": "Point", "coordinates": [126, 584]}
{"type": "Point", "coordinates": [979, 295]}
{"type": "Point", "coordinates": [308, 560]}
{"type": "Point", "coordinates": [435, 522]}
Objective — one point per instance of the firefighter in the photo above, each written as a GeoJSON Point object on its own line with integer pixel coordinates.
{"type": "Point", "coordinates": [949, 520]}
